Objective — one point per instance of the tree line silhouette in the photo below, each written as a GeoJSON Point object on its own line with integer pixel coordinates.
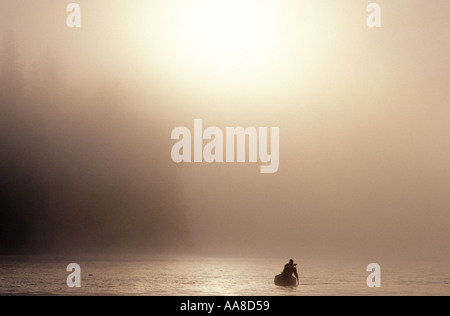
{"type": "Point", "coordinates": [79, 173]}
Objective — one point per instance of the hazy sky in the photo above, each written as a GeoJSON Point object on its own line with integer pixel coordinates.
{"type": "Point", "coordinates": [363, 113]}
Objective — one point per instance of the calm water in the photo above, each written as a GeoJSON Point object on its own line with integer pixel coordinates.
{"type": "Point", "coordinates": [223, 277]}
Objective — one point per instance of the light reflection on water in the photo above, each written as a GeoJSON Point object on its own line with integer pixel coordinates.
{"type": "Point", "coordinates": [214, 277]}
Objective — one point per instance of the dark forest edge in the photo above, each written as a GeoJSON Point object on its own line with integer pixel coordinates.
{"type": "Point", "coordinates": [79, 173]}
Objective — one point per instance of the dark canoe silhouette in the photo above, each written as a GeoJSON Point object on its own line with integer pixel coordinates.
{"type": "Point", "coordinates": [285, 280]}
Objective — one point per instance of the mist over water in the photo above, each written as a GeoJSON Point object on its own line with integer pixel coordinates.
{"type": "Point", "coordinates": [86, 117]}
{"type": "Point", "coordinates": [80, 171]}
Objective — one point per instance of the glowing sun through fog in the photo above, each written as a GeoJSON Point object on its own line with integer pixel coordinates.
{"type": "Point", "coordinates": [251, 43]}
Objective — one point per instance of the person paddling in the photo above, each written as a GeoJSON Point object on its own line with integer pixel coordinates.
{"type": "Point", "coordinates": [290, 269]}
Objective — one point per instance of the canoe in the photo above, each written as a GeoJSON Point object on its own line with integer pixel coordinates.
{"type": "Point", "coordinates": [285, 280]}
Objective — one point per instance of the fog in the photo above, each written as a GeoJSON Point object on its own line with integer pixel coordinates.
{"type": "Point", "coordinates": [87, 114]}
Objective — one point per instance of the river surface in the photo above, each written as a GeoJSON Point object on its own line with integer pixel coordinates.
{"type": "Point", "coordinates": [214, 277]}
